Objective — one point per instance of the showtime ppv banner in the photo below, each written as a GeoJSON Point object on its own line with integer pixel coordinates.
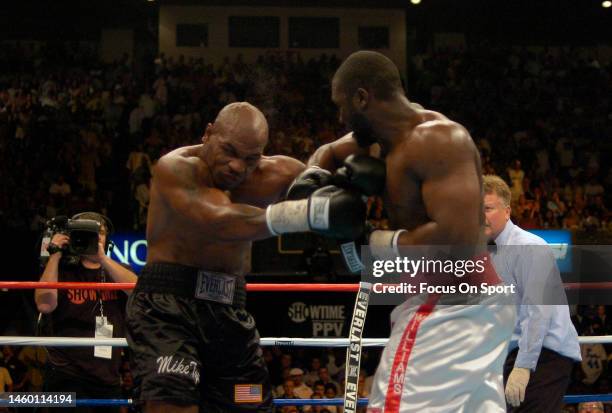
{"type": "Point", "coordinates": [302, 314]}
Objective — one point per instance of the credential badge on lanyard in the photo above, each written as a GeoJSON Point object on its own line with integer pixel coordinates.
{"type": "Point", "coordinates": [103, 329]}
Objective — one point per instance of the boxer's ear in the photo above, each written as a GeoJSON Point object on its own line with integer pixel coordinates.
{"type": "Point", "coordinates": [207, 132]}
{"type": "Point", "coordinates": [361, 98]}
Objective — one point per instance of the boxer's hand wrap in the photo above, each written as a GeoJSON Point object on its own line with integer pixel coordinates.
{"type": "Point", "coordinates": [288, 216]}
{"type": "Point", "coordinates": [363, 173]}
{"type": "Point", "coordinates": [330, 211]}
{"type": "Point", "coordinates": [383, 245]}
{"type": "Point", "coordinates": [307, 182]}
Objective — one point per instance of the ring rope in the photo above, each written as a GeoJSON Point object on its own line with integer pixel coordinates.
{"type": "Point", "coordinates": [26, 285]}
{"type": "Point", "coordinates": [265, 341]}
{"type": "Point", "coordinates": [268, 341]}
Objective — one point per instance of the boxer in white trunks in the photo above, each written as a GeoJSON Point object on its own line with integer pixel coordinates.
{"type": "Point", "coordinates": [440, 357]}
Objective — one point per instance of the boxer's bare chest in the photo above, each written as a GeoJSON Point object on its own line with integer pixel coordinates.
{"type": "Point", "coordinates": [174, 238]}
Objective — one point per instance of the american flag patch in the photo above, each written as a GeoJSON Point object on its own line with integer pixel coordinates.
{"type": "Point", "coordinates": [248, 393]}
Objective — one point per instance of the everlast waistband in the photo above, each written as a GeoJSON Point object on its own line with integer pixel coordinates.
{"type": "Point", "coordinates": [193, 282]}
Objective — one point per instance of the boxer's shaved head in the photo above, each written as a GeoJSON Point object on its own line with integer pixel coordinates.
{"type": "Point", "coordinates": [234, 143]}
{"type": "Point", "coordinates": [371, 71]}
{"type": "Point", "coordinates": [240, 120]}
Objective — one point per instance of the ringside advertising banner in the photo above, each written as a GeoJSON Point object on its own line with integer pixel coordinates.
{"type": "Point", "coordinates": [131, 248]}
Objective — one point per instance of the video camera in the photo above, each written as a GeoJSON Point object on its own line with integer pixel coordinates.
{"type": "Point", "coordinates": [83, 232]}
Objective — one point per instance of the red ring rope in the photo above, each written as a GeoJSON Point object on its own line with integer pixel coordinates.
{"type": "Point", "coordinates": [21, 285]}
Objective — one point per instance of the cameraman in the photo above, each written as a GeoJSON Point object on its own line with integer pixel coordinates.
{"type": "Point", "coordinates": [90, 372]}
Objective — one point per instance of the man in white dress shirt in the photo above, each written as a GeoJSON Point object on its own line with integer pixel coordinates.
{"type": "Point", "coordinates": [539, 366]}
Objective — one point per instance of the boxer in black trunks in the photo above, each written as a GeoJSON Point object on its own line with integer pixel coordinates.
{"type": "Point", "coordinates": [192, 343]}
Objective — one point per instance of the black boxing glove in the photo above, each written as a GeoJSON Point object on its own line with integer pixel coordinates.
{"type": "Point", "coordinates": [363, 173]}
{"type": "Point", "coordinates": [309, 181]}
{"type": "Point", "coordinates": [330, 211]}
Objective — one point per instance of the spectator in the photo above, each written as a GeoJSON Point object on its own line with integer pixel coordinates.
{"type": "Point", "coordinates": [529, 220]}
{"type": "Point", "coordinates": [565, 151]}
{"type": "Point", "coordinates": [516, 175]}
{"type": "Point", "coordinates": [335, 362]}
{"type": "Point", "coordinates": [313, 372]}
{"type": "Point", "coordinates": [139, 165]}
{"type": "Point", "coordinates": [148, 105]}
{"type": "Point", "coordinates": [318, 389]}
{"type": "Point", "coordinates": [287, 392]}
{"type": "Point", "coordinates": [593, 188]}
{"type": "Point", "coordinates": [572, 220]}
{"type": "Point", "coordinates": [331, 392]}
{"type": "Point", "coordinates": [137, 115]}
{"type": "Point", "coordinates": [60, 188]}
{"type": "Point", "coordinates": [34, 358]}
{"type": "Point", "coordinates": [17, 370]}
{"type": "Point", "coordinates": [127, 388]}
{"type": "Point", "coordinates": [88, 163]}
{"type": "Point", "coordinates": [556, 206]}
{"type": "Point", "coordinates": [591, 407]}
{"type": "Point", "coordinates": [6, 385]}
{"type": "Point", "coordinates": [6, 382]}
{"type": "Point", "coordinates": [325, 378]}
{"type": "Point", "coordinates": [580, 319]}
{"type": "Point", "coordinates": [301, 390]}
{"type": "Point", "coordinates": [591, 222]}
{"type": "Point", "coordinates": [161, 91]}
{"type": "Point", "coordinates": [594, 360]}
{"type": "Point", "coordinates": [601, 318]}
{"type": "Point", "coordinates": [279, 371]}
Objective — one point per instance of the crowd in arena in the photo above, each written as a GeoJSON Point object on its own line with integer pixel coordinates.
{"type": "Point", "coordinates": [540, 120]}
{"type": "Point", "coordinates": [77, 135]}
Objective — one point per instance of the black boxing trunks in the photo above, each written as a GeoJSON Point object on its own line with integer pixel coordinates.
{"type": "Point", "coordinates": [192, 342]}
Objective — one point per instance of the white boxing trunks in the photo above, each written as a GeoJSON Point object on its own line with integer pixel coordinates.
{"type": "Point", "coordinates": [444, 358]}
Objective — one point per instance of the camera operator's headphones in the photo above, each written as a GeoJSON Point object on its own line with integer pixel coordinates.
{"type": "Point", "coordinates": [104, 221]}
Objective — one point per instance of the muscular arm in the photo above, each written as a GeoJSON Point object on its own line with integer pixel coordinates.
{"type": "Point", "coordinates": [291, 169]}
{"type": "Point", "coordinates": [269, 183]}
{"type": "Point", "coordinates": [206, 209]}
{"type": "Point", "coordinates": [331, 155]}
{"type": "Point", "coordinates": [283, 172]}
{"type": "Point", "coordinates": [443, 158]}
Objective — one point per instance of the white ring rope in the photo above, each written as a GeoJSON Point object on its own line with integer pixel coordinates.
{"type": "Point", "coordinates": [265, 342]}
